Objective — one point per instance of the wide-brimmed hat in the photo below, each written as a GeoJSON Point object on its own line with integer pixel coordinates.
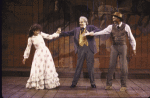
{"type": "Point", "coordinates": [118, 15]}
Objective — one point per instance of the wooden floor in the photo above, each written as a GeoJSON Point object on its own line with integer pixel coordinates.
{"type": "Point", "coordinates": [14, 87]}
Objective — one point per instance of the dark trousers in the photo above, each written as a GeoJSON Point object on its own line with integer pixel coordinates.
{"type": "Point", "coordinates": [121, 51]}
{"type": "Point", "coordinates": [84, 52]}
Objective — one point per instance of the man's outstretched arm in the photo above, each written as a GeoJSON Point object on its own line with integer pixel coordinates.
{"type": "Point", "coordinates": [105, 31]}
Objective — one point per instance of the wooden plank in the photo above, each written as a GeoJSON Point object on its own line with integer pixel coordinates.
{"type": "Point", "coordinates": [10, 83]}
{"type": "Point", "coordinates": [96, 59]}
{"type": "Point", "coordinates": [40, 11]}
{"type": "Point", "coordinates": [66, 70]}
{"type": "Point", "coordinates": [144, 51]}
{"type": "Point", "coordinates": [15, 86]}
{"type": "Point", "coordinates": [108, 50]}
{"type": "Point", "coordinates": [55, 51]}
{"type": "Point", "coordinates": [16, 49]}
{"type": "Point", "coordinates": [117, 86]}
{"type": "Point", "coordinates": [30, 59]}
{"type": "Point", "coordinates": [145, 85]}
{"type": "Point", "coordinates": [67, 61]}
{"type": "Point", "coordinates": [12, 91]}
{"type": "Point", "coordinates": [138, 50]}
{"type": "Point", "coordinates": [23, 41]}
{"type": "Point", "coordinates": [92, 93]}
{"type": "Point", "coordinates": [10, 50]}
{"type": "Point", "coordinates": [19, 93]}
{"type": "Point", "coordinates": [61, 93]}
{"type": "Point", "coordinates": [71, 93]}
{"type": "Point", "coordinates": [8, 87]}
{"type": "Point", "coordinates": [4, 48]}
{"type": "Point", "coordinates": [35, 11]}
{"type": "Point", "coordinates": [26, 22]}
{"type": "Point", "coordinates": [72, 53]}
{"type": "Point", "coordinates": [67, 82]}
{"type": "Point", "coordinates": [141, 85]}
{"type": "Point", "coordinates": [61, 52]}
{"type": "Point", "coordinates": [40, 93]}
{"type": "Point", "coordinates": [84, 82]}
{"type": "Point", "coordinates": [111, 93]}
{"type": "Point", "coordinates": [107, 62]}
{"type": "Point", "coordinates": [130, 90]}
{"type": "Point", "coordinates": [146, 82]}
{"type": "Point", "coordinates": [137, 88]}
{"type": "Point", "coordinates": [10, 80]}
{"type": "Point", "coordinates": [99, 84]}
{"type": "Point", "coordinates": [81, 93]}
{"type": "Point", "coordinates": [102, 92]}
{"type": "Point", "coordinates": [30, 93]}
{"type": "Point", "coordinates": [102, 62]}
{"type": "Point", "coordinates": [50, 94]}
{"type": "Point", "coordinates": [148, 64]}
{"type": "Point", "coordinates": [133, 59]}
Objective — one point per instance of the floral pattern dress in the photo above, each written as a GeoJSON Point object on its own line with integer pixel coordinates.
{"type": "Point", "coordinates": [43, 73]}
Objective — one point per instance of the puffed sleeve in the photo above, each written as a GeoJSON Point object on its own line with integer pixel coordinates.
{"type": "Point", "coordinates": [48, 36]}
{"type": "Point", "coordinates": [130, 37]}
{"type": "Point", "coordinates": [28, 48]}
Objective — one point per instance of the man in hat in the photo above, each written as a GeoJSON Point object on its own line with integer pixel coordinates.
{"type": "Point", "coordinates": [85, 47]}
{"type": "Point", "coordinates": [118, 32]}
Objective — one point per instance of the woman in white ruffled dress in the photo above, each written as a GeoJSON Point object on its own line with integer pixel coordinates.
{"type": "Point", "coordinates": [43, 73]}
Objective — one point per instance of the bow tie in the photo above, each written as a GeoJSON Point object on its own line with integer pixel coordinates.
{"type": "Point", "coordinates": [82, 29]}
{"type": "Point", "coordinates": [118, 27]}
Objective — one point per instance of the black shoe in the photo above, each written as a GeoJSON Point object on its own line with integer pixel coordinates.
{"type": "Point", "coordinates": [72, 86]}
{"type": "Point", "coordinates": [93, 85]}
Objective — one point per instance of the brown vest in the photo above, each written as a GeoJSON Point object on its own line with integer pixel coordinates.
{"type": "Point", "coordinates": [119, 35]}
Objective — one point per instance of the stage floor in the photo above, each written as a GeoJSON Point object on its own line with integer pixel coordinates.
{"type": "Point", "coordinates": [14, 87]}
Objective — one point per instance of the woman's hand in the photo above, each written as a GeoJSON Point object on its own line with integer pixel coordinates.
{"type": "Point", "coordinates": [23, 61]}
{"type": "Point", "coordinates": [58, 31]}
{"type": "Point", "coordinates": [134, 52]}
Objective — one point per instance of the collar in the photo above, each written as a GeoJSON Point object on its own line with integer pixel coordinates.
{"type": "Point", "coordinates": [84, 27]}
{"type": "Point", "coordinates": [120, 24]}
{"type": "Point", "coordinates": [35, 36]}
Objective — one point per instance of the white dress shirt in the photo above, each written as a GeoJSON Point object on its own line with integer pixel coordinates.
{"type": "Point", "coordinates": [127, 29]}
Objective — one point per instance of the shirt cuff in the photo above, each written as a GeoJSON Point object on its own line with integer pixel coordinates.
{"type": "Point", "coordinates": [56, 34]}
{"type": "Point", "coordinates": [95, 33]}
{"type": "Point", "coordinates": [134, 48]}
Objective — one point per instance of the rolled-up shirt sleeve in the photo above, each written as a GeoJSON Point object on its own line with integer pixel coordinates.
{"type": "Point", "coordinates": [130, 37]}
{"type": "Point", "coordinates": [105, 31]}
{"type": "Point", "coordinates": [48, 36]}
{"type": "Point", "coordinates": [28, 48]}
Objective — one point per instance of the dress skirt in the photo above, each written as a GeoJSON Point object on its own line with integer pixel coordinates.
{"type": "Point", "coordinates": [43, 73]}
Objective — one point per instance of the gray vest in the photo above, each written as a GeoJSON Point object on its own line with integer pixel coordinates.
{"type": "Point", "coordinates": [118, 35]}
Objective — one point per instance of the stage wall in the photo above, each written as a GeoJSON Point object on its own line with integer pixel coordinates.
{"type": "Point", "coordinates": [19, 15]}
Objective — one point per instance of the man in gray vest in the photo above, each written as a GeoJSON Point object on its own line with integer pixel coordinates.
{"type": "Point", "coordinates": [118, 32]}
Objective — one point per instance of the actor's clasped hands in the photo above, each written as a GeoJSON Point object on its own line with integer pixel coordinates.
{"type": "Point", "coordinates": [24, 60]}
{"type": "Point", "coordinates": [58, 31]}
{"type": "Point", "coordinates": [88, 33]}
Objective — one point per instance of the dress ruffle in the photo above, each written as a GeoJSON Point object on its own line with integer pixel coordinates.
{"type": "Point", "coordinates": [42, 82]}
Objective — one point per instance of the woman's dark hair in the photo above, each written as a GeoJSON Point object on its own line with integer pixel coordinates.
{"type": "Point", "coordinates": [33, 28]}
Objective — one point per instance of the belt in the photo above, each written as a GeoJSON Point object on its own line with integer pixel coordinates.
{"type": "Point", "coordinates": [119, 43]}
